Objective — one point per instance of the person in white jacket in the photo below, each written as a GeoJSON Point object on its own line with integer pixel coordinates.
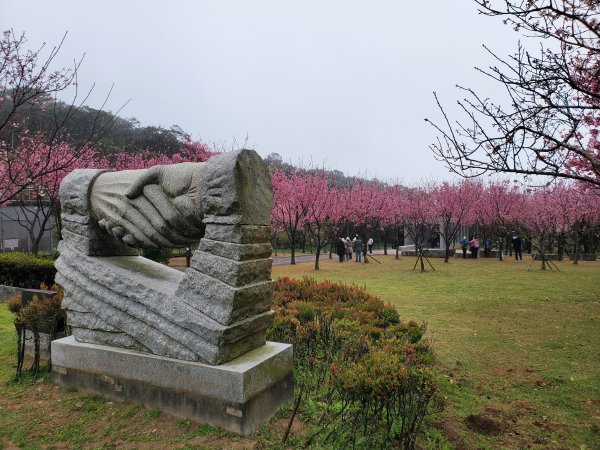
{"type": "Point", "coordinates": [370, 245]}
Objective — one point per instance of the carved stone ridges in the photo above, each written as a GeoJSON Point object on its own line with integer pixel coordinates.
{"type": "Point", "coordinates": [216, 311]}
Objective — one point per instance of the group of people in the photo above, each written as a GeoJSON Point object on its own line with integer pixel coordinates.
{"type": "Point", "coordinates": [344, 247]}
{"type": "Point", "coordinates": [473, 246]}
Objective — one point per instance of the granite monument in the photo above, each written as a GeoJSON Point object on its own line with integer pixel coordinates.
{"type": "Point", "coordinates": [191, 343]}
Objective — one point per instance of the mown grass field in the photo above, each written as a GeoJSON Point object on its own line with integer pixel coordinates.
{"type": "Point", "coordinates": [519, 358]}
{"type": "Point", "coordinates": [519, 350]}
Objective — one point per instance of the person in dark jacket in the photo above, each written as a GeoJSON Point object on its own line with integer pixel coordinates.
{"type": "Point", "coordinates": [464, 243]}
{"type": "Point", "coordinates": [517, 245]}
{"type": "Point", "coordinates": [340, 249]}
{"type": "Point", "coordinates": [487, 247]}
{"type": "Point", "coordinates": [358, 244]}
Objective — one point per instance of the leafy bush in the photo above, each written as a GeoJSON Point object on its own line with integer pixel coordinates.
{"type": "Point", "coordinates": [369, 372]}
{"type": "Point", "coordinates": [39, 315]}
{"type": "Point", "coordinates": [25, 270]}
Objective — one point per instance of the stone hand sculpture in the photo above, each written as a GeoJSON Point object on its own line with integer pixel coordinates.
{"type": "Point", "coordinates": [156, 207]}
{"type": "Point", "coordinates": [216, 311]}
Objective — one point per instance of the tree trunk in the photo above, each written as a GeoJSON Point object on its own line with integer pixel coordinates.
{"type": "Point", "coordinates": [57, 219]}
{"type": "Point", "coordinates": [20, 350]}
{"type": "Point", "coordinates": [447, 258]}
{"type": "Point", "coordinates": [35, 245]}
{"type": "Point", "coordinates": [576, 256]}
{"type": "Point", "coordinates": [317, 256]}
{"type": "Point", "coordinates": [35, 367]}
{"type": "Point", "coordinates": [542, 250]}
{"type": "Point", "coordinates": [561, 247]}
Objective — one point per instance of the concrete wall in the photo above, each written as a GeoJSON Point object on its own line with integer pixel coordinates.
{"type": "Point", "coordinates": [8, 292]}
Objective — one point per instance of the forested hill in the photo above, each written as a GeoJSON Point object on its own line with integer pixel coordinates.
{"type": "Point", "coordinates": [110, 134]}
{"type": "Point", "coordinates": [100, 129]}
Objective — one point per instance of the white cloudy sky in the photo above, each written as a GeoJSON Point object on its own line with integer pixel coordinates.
{"type": "Point", "coordinates": [341, 83]}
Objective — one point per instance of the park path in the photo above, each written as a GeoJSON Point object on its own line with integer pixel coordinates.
{"type": "Point", "coordinates": [281, 259]}
{"type": "Point", "coordinates": [284, 259]}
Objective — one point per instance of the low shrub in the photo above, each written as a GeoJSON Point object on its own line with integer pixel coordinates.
{"type": "Point", "coordinates": [39, 315]}
{"type": "Point", "coordinates": [25, 270]}
{"type": "Point", "coordinates": [370, 373]}
{"type": "Point", "coordinates": [161, 255]}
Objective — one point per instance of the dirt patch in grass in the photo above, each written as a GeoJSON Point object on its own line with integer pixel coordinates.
{"type": "Point", "coordinates": [520, 376]}
{"type": "Point", "coordinates": [451, 430]}
{"type": "Point", "coordinates": [298, 426]}
{"type": "Point", "coordinates": [485, 424]}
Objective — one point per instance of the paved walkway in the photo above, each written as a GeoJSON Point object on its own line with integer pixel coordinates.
{"type": "Point", "coordinates": [282, 259]}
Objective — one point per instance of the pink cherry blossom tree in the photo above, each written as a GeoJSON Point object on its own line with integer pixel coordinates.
{"type": "Point", "coordinates": [419, 218]}
{"type": "Point", "coordinates": [367, 202]}
{"type": "Point", "coordinates": [39, 203]}
{"type": "Point", "coordinates": [454, 205]}
{"type": "Point", "coordinates": [28, 84]}
{"type": "Point", "coordinates": [547, 124]}
{"type": "Point", "coordinates": [584, 215]}
{"type": "Point", "coordinates": [320, 199]}
{"type": "Point", "coordinates": [501, 206]}
{"type": "Point", "coordinates": [290, 206]}
{"type": "Point", "coordinates": [541, 217]}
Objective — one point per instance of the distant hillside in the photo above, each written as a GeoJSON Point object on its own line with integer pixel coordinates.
{"type": "Point", "coordinates": [75, 125]}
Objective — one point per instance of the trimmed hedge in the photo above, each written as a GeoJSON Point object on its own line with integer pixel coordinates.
{"type": "Point", "coordinates": [364, 378]}
{"type": "Point", "coordinates": [25, 270]}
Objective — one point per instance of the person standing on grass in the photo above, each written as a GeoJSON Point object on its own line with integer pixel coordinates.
{"type": "Point", "coordinates": [358, 243]}
{"type": "Point", "coordinates": [487, 247]}
{"type": "Point", "coordinates": [340, 249]}
{"type": "Point", "coordinates": [464, 243]}
{"type": "Point", "coordinates": [370, 245]}
{"type": "Point", "coordinates": [517, 245]}
{"type": "Point", "coordinates": [474, 244]}
{"type": "Point", "coordinates": [349, 249]}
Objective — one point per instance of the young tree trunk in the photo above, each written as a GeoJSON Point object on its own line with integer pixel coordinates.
{"type": "Point", "coordinates": [20, 350]}
{"type": "Point", "coordinates": [35, 367]}
{"type": "Point", "coordinates": [317, 256]}
{"type": "Point", "coordinates": [57, 219]}
{"type": "Point", "coordinates": [447, 258]}
{"type": "Point", "coordinates": [576, 256]}
{"type": "Point", "coordinates": [35, 245]}
{"type": "Point", "coordinates": [543, 254]}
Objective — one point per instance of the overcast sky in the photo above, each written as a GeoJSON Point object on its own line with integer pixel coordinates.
{"type": "Point", "coordinates": [341, 83]}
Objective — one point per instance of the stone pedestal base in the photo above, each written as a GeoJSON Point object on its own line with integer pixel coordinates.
{"type": "Point", "coordinates": [238, 396]}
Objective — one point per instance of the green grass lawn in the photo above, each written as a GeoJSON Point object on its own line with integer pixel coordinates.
{"type": "Point", "coordinates": [518, 349]}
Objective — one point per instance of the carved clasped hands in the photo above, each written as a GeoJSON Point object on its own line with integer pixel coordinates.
{"type": "Point", "coordinates": [158, 207]}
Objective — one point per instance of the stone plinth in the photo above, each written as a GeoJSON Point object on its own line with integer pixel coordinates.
{"type": "Point", "coordinates": [238, 396]}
